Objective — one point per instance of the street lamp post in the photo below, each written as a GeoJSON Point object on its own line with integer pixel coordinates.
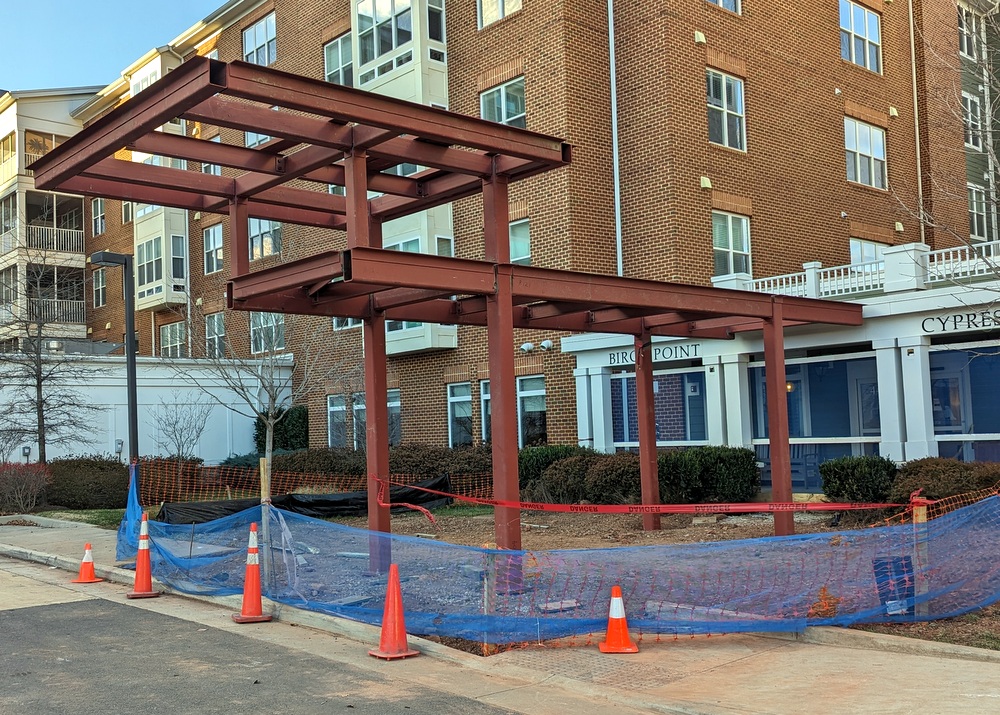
{"type": "Point", "coordinates": [107, 258]}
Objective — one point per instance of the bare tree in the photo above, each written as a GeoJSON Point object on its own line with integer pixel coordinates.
{"type": "Point", "coordinates": [181, 421]}
{"type": "Point", "coordinates": [41, 299]}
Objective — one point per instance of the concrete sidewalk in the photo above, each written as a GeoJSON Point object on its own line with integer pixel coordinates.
{"type": "Point", "coordinates": [827, 670]}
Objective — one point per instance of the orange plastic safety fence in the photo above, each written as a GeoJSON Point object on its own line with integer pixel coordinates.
{"type": "Point", "coordinates": [945, 505]}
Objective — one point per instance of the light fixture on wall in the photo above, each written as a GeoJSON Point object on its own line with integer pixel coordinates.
{"type": "Point", "coordinates": [789, 387]}
{"type": "Point", "coordinates": [119, 446]}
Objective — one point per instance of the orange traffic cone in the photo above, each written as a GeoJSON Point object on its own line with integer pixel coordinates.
{"type": "Point", "coordinates": [617, 640]}
{"type": "Point", "coordinates": [143, 571]}
{"type": "Point", "coordinates": [87, 567]}
{"type": "Point", "coordinates": [393, 643]}
{"type": "Point", "coordinates": [252, 611]}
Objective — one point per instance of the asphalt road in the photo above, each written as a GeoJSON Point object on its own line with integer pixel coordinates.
{"type": "Point", "coordinates": [63, 650]}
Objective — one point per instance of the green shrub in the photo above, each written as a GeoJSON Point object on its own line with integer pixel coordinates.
{"type": "Point", "coordinates": [88, 482]}
{"type": "Point", "coordinates": [614, 479]}
{"type": "Point", "coordinates": [680, 476]}
{"type": "Point", "coordinates": [868, 478]}
{"type": "Point", "coordinates": [533, 461]}
{"type": "Point", "coordinates": [563, 481]}
{"type": "Point", "coordinates": [935, 476]}
{"type": "Point", "coordinates": [419, 460]}
{"type": "Point", "coordinates": [291, 431]}
{"type": "Point", "coordinates": [22, 486]}
{"type": "Point", "coordinates": [338, 461]}
{"type": "Point", "coordinates": [469, 460]}
{"type": "Point", "coordinates": [729, 474]}
{"type": "Point", "coordinates": [986, 475]}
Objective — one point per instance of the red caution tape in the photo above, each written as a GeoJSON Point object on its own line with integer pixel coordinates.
{"type": "Point", "coordinates": [382, 502]}
{"type": "Point", "coordinates": [744, 508]}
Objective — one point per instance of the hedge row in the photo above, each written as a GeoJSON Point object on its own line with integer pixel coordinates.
{"type": "Point", "coordinates": [877, 479]}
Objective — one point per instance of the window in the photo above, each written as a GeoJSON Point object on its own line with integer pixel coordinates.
{"type": "Point", "coordinates": [215, 335]}
{"type": "Point", "coordinates": [127, 208]}
{"type": "Point", "coordinates": [731, 5]}
{"type": "Point", "coordinates": [265, 238]}
{"type": "Point", "coordinates": [972, 119]}
{"type": "Point", "coordinates": [459, 414]}
{"type": "Point", "coordinates": [361, 425]}
{"type": "Point", "coordinates": [100, 288]}
{"type": "Point", "coordinates": [347, 323]}
{"type": "Point", "coordinates": [260, 45]}
{"type": "Point", "coordinates": [505, 104]}
{"type": "Point", "coordinates": [968, 33]}
{"type": "Point", "coordinates": [172, 338]}
{"type": "Point", "coordinates": [212, 237]}
{"type": "Point", "coordinates": [492, 10]}
{"type": "Point", "coordinates": [336, 420]}
{"type": "Point", "coordinates": [140, 83]}
{"type": "Point", "coordinates": [253, 139]}
{"type": "Point", "coordinates": [860, 36]}
{"type": "Point", "coordinates": [8, 287]}
{"type": "Point", "coordinates": [520, 242]}
{"type": "Point", "coordinates": [978, 229]}
{"type": "Point", "coordinates": [213, 169]}
{"type": "Point", "coordinates": [730, 243]}
{"type": "Point", "coordinates": [267, 332]}
{"type": "Point", "coordinates": [865, 145]}
{"type": "Point", "coordinates": [97, 212]}
{"type": "Point", "coordinates": [383, 26]}
{"type": "Point", "coordinates": [178, 258]}
{"type": "Point", "coordinates": [339, 65]}
{"type": "Point", "coordinates": [531, 423]}
{"type": "Point", "coordinates": [149, 267]}
{"type": "Point", "coordinates": [725, 110]}
{"type": "Point", "coordinates": [435, 21]}
{"type": "Point", "coordinates": [863, 251]}
{"type": "Point", "coordinates": [410, 246]}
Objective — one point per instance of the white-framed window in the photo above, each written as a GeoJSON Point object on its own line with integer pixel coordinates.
{"type": "Point", "coordinates": [730, 243]}
{"type": "Point", "coordinates": [336, 420]}
{"type": "Point", "coordinates": [968, 32]}
{"type": "Point", "coordinates": [265, 238]}
{"type": "Point", "coordinates": [347, 323]}
{"type": "Point", "coordinates": [978, 213]}
{"type": "Point", "coordinates": [178, 257]}
{"type": "Point", "coordinates": [531, 421]}
{"type": "Point", "coordinates": [520, 242]}
{"type": "Point", "coordinates": [260, 43]}
{"type": "Point", "coordinates": [142, 81]}
{"type": "Point", "coordinates": [149, 267]}
{"type": "Point", "coordinates": [339, 64]}
{"type": "Point", "coordinates": [860, 36]}
{"type": "Point", "coordinates": [212, 239]}
{"type": "Point", "coordinates": [213, 169]}
{"type": "Point", "coordinates": [865, 251]}
{"type": "Point", "coordinates": [731, 5]}
{"type": "Point", "coordinates": [865, 147]}
{"type": "Point", "coordinates": [361, 423]}
{"type": "Point", "coordinates": [213, 55]}
{"type": "Point", "coordinates": [972, 120]}
{"type": "Point", "coordinates": [435, 22]}
{"type": "Point", "coordinates": [726, 118]}
{"type": "Point", "coordinates": [383, 27]}
{"type": "Point", "coordinates": [173, 340]}
{"type": "Point", "coordinates": [97, 214]}
{"type": "Point", "coordinates": [253, 139]}
{"type": "Point", "coordinates": [215, 335]}
{"type": "Point", "coordinates": [459, 414]}
{"type": "Point", "coordinates": [127, 209]}
{"type": "Point", "coordinates": [411, 245]}
{"type": "Point", "coordinates": [504, 104]}
{"type": "Point", "coordinates": [100, 288]}
{"type": "Point", "coordinates": [490, 11]}
{"type": "Point", "coordinates": [267, 332]}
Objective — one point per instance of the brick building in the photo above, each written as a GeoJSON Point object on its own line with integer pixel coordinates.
{"type": "Point", "coordinates": [710, 142]}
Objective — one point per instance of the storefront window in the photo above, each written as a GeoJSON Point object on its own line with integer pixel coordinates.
{"type": "Point", "coordinates": [679, 404]}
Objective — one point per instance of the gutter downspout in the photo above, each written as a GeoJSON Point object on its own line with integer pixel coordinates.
{"type": "Point", "coordinates": [916, 124]}
{"type": "Point", "coordinates": [615, 168]}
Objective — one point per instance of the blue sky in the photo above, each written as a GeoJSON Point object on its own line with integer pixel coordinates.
{"type": "Point", "coordinates": [68, 43]}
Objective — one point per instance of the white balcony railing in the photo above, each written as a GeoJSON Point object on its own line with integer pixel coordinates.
{"type": "Point", "coordinates": [50, 310]}
{"type": "Point", "coordinates": [28, 159]}
{"type": "Point", "coordinates": [48, 238]}
{"type": "Point", "coordinates": [909, 267]}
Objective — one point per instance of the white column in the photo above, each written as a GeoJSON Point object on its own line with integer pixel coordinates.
{"type": "Point", "coordinates": [914, 355]}
{"type": "Point", "coordinates": [600, 395]}
{"type": "Point", "coordinates": [736, 399]}
{"type": "Point", "coordinates": [715, 400]}
{"type": "Point", "coordinates": [890, 399]}
{"type": "Point", "coordinates": [584, 409]}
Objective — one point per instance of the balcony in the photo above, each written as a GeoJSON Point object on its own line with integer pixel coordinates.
{"type": "Point", "coordinates": [910, 267]}
{"type": "Point", "coordinates": [48, 238]}
{"type": "Point", "coordinates": [52, 310]}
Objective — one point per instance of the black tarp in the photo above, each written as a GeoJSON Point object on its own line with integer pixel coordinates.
{"type": "Point", "coordinates": [319, 506]}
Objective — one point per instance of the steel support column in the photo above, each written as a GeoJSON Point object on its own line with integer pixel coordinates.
{"type": "Point", "coordinates": [646, 417]}
{"type": "Point", "coordinates": [239, 241]}
{"type": "Point", "coordinates": [503, 387]}
{"type": "Point", "coordinates": [777, 418]}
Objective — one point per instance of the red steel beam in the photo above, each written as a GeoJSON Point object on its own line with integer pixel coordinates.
{"type": "Point", "coordinates": [206, 152]}
{"type": "Point", "coordinates": [777, 418]}
{"type": "Point", "coordinates": [91, 186]}
{"type": "Point", "coordinates": [419, 270]}
{"type": "Point", "coordinates": [165, 177]}
{"type": "Point", "coordinates": [287, 276]}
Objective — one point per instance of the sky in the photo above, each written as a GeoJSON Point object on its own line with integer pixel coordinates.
{"type": "Point", "coordinates": [69, 43]}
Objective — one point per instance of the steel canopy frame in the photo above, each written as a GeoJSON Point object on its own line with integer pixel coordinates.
{"type": "Point", "coordinates": [328, 134]}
